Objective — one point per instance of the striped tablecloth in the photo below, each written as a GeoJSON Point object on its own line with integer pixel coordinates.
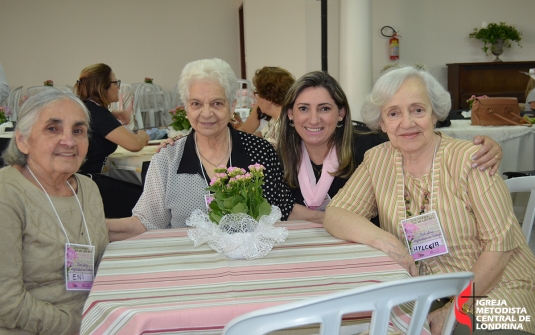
{"type": "Point", "coordinates": [158, 283]}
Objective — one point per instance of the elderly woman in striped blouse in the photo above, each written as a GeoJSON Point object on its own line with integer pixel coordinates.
{"type": "Point", "coordinates": [422, 181]}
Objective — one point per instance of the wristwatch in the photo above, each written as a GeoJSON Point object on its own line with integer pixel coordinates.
{"type": "Point", "coordinates": [465, 309]}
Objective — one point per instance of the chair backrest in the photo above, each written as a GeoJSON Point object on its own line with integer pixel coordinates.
{"type": "Point", "coordinates": [380, 298]}
{"type": "Point", "coordinates": [38, 89]}
{"type": "Point", "coordinates": [525, 184]}
{"type": "Point", "coordinates": [175, 98]}
{"type": "Point", "coordinates": [244, 98]}
{"type": "Point", "coordinates": [245, 94]}
{"type": "Point", "coordinates": [13, 102]}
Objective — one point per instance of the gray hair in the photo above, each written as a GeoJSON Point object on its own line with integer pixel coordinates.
{"type": "Point", "coordinates": [28, 116]}
{"type": "Point", "coordinates": [389, 83]}
{"type": "Point", "coordinates": [211, 69]}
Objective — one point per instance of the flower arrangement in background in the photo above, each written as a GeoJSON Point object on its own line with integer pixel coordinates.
{"type": "Point", "coordinates": [5, 113]}
{"type": "Point", "coordinates": [237, 191]}
{"type": "Point", "coordinates": [494, 32]}
{"type": "Point", "coordinates": [148, 80]}
{"type": "Point", "coordinates": [48, 83]}
{"type": "Point", "coordinates": [180, 121]}
{"type": "Point", "coordinates": [474, 98]}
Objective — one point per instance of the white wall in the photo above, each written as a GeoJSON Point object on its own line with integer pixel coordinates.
{"type": "Point", "coordinates": [435, 33]}
{"type": "Point", "coordinates": [285, 33]}
{"type": "Point", "coordinates": [56, 39]}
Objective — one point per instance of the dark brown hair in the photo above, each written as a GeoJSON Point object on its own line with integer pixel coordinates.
{"type": "Point", "coordinates": [289, 144]}
{"type": "Point", "coordinates": [272, 83]}
{"type": "Point", "coordinates": [94, 82]}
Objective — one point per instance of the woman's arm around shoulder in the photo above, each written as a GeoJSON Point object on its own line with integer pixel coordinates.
{"type": "Point", "coordinates": [130, 141]}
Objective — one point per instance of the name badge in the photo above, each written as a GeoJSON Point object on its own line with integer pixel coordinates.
{"type": "Point", "coordinates": [424, 236]}
{"type": "Point", "coordinates": [323, 206]}
{"type": "Point", "coordinates": [79, 266]}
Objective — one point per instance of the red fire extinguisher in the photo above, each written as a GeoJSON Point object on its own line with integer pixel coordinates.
{"type": "Point", "coordinates": [393, 44]}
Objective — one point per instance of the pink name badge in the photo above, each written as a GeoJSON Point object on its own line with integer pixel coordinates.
{"type": "Point", "coordinates": [424, 236]}
{"type": "Point", "coordinates": [79, 267]}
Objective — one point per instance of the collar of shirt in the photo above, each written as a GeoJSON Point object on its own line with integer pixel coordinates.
{"type": "Point", "coordinates": [191, 165]}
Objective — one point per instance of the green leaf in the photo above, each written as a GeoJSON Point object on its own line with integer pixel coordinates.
{"type": "Point", "coordinates": [239, 208]}
{"type": "Point", "coordinates": [263, 209]}
{"type": "Point", "coordinates": [215, 217]}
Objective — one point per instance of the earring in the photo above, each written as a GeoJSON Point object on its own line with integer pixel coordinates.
{"type": "Point", "coordinates": [340, 124]}
{"type": "Point", "coordinates": [291, 123]}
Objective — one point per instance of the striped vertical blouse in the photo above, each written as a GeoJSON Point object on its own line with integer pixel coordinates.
{"type": "Point", "coordinates": [474, 209]}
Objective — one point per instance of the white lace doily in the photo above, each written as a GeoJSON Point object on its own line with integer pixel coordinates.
{"type": "Point", "coordinates": [238, 236]}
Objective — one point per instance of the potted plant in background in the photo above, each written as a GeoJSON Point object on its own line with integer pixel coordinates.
{"type": "Point", "coordinates": [497, 36]}
{"type": "Point", "coordinates": [148, 80]}
{"type": "Point", "coordinates": [48, 83]}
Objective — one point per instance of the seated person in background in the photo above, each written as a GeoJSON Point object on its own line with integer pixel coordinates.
{"type": "Point", "coordinates": [271, 84]}
{"type": "Point", "coordinates": [98, 87]}
{"type": "Point", "coordinates": [420, 171]}
{"type": "Point", "coordinates": [530, 92]}
{"type": "Point", "coordinates": [44, 205]}
{"type": "Point", "coordinates": [178, 175]}
{"type": "Point", "coordinates": [319, 147]}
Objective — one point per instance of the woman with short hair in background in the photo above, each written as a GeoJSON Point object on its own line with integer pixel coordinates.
{"type": "Point", "coordinates": [271, 85]}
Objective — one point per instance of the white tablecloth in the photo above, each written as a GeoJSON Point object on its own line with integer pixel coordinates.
{"type": "Point", "coordinates": [518, 142]}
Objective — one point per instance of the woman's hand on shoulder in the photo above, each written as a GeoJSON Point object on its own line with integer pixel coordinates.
{"type": "Point", "coordinates": [488, 156]}
{"type": "Point", "coordinates": [170, 141]}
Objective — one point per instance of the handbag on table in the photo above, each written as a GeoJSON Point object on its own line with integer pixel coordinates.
{"type": "Point", "coordinates": [497, 112]}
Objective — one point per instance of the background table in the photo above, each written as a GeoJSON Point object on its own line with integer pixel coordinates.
{"type": "Point", "coordinates": [518, 142]}
{"type": "Point", "coordinates": [126, 165]}
{"type": "Point", "coordinates": [159, 283]}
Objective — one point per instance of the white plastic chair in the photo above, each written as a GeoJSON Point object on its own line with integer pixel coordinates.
{"type": "Point", "coordinates": [146, 100]}
{"type": "Point", "coordinates": [244, 98]}
{"type": "Point", "coordinates": [525, 184]}
{"type": "Point", "coordinates": [328, 310]}
{"type": "Point", "coordinates": [13, 102]}
{"type": "Point", "coordinates": [38, 89]}
{"type": "Point", "coordinates": [175, 98]}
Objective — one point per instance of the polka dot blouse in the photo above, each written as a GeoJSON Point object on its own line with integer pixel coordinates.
{"type": "Point", "coordinates": [175, 186]}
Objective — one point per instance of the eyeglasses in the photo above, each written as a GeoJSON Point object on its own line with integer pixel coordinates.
{"type": "Point", "coordinates": [116, 82]}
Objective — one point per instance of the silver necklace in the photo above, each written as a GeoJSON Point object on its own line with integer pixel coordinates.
{"type": "Point", "coordinates": [206, 159]}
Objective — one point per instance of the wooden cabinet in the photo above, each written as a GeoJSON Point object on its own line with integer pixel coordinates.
{"type": "Point", "coordinates": [495, 79]}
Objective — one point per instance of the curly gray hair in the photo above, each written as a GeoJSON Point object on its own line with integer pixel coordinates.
{"type": "Point", "coordinates": [389, 83]}
{"type": "Point", "coordinates": [212, 69]}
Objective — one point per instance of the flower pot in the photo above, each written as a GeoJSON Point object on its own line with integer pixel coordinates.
{"type": "Point", "coordinates": [238, 236]}
{"type": "Point", "coordinates": [497, 50]}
